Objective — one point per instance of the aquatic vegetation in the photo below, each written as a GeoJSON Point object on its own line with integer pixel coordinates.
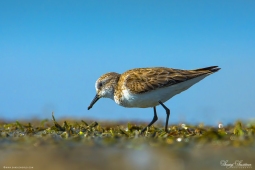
{"type": "Point", "coordinates": [238, 134]}
{"type": "Point", "coordinates": [86, 144]}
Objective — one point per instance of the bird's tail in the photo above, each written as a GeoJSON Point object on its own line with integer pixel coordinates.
{"type": "Point", "coordinates": [211, 69]}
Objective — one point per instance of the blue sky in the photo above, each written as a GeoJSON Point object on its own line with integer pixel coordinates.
{"type": "Point", "coordinates": [52, 52]}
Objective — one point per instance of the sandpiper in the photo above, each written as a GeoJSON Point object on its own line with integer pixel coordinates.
{"type": "Point", "coordinates": [148, 87]}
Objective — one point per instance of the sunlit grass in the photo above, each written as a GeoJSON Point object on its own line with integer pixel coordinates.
{"type": "Point", "coordinates": [85, 144]}
{"type": "Point", "coordinates": [180, 135]}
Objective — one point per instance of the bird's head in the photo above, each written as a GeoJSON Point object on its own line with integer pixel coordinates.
{"type": "Point", "coordinates": [105, 87]}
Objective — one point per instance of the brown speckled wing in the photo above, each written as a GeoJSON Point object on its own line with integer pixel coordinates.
{"type": "Point", "coordinates": [146, 79]}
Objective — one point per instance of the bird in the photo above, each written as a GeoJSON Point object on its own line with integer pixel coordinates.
{"type": "Point", "coordinates": [148, 87]}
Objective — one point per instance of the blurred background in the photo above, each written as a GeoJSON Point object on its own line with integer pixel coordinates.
{"type": "Point", "coordinates": [52, 52]}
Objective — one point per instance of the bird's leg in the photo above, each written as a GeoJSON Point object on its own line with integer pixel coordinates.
{"type": "Point", "coordinates": [167, 114]}
{"type": "Point", "coordinates": [155, 118]}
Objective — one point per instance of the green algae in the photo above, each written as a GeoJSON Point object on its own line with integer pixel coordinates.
{"type": "Point", "coordinates": [236, 135]}
{"type": "Point", "coordinates": [86, 144]}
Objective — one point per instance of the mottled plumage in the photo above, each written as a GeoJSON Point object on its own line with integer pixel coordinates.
{"type": "Point", "coordinates": [142, 80]}
{"type": "Point", "coordinates": [147, 87]}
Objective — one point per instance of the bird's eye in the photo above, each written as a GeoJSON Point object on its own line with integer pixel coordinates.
{"type": "Point", "coordinates": [99, 85]}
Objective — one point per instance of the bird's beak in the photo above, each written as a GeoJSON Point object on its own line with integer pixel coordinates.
{"type": "Point", "coordinates": [93, 101]}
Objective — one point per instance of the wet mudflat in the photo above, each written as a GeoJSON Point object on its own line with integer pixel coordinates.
{"type": "Point", "coordinates": [77, 144]}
